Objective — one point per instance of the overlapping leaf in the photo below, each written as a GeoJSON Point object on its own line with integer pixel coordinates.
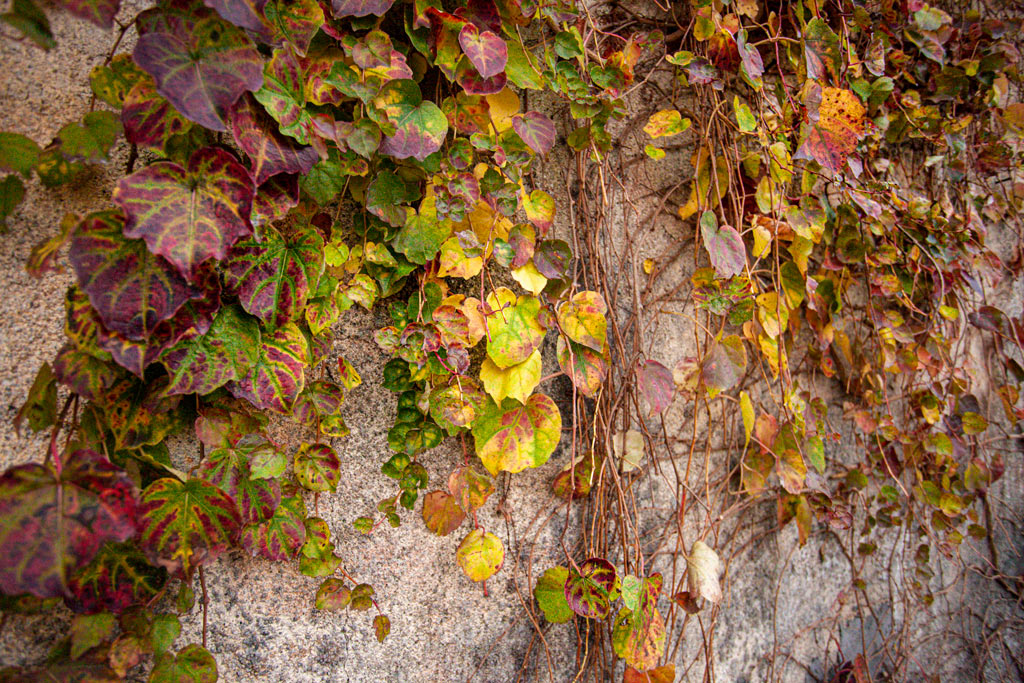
{"type": "Point", "coordinates": [836, 126]}
{"type": "Point", "coordinates": [247, 14]}
{"type": "Point", "coordinates": [283, 96]}
{"type": "Point", "coordinates": [192, 664]}
{"type": "Point", "coordinates": [485, 50]}
{"type": "Point", "coordinates": [55, 523]}
{"type": "Point", "coordinates": [269, 151]}
{"type": "Point", "coordinates": [277, 377]}
{"type": "Point", "coordinates": [226, 352]}
{"type": "Point", "coordinates": [228, 469]}
{"type": "Point", "coordinates": [149, 120]}
{"type": "Point", "coordinates": [590, 590]}
{"type": "Point", "coordinates": [280, 537]}
{"type": "Point", "coordinates": [585, 367]}
{"type": "Point", "coordinates": [360, 8]}
{"type": "Point", "coordinates": [200, 63]}
{"type": "Point", "coordinates": [420, 126]}
{"type": "Point", "coordinates": [514, 436]}
{"type": "Point", "coordinates": [118, 577]}
{"type": "Point", "coordinates": [132, 289]}
{"type": "Point", "coordinates": [582, 319]}
{"type": "Point", "coordinates": [188, 215]}
{"type": "Point", "coordinates": [139, 413]}
{"type": "Point", "coordinates": [187, 523]}
{"type": "Point", "coordinates": [512, 326]}
{"type": "Point", "coordinates": [297, 21]}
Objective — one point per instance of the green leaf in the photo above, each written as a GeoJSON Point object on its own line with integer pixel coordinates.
{"type": "Point", "coordinates": [590, 590]}
{"type": "Point", "coordinates": [480, 555]}
{"type": "Point", "coordinates": [514, 436]}
{"type": "Point", "coordinates": [112, 82]}
{"type": "Point", "coordinates": [27, 18]}
{"type": "Point", "coordinates": [724, 364]}
{"type": "Point", "coordinates": [381, 627]}
{"type": "Point", "coordinates": [55, 523]}
{"type": "Point", "coordinates": [317, 556]}
{"type": "Point", "coordinates": [88, 631]}
{"type": "Point", "coordinates": [421, 237]}
{"type": "Point", "coordinates": [41, 405]}
{"type": "Point", "coordinates": [639, 638]}
{"type": "Point", "coordinates": [18, 153]}
{"type": "Point", "coordinates": [187, 523]}
{"type": "Point", "coordinates": [441, 513]}
{"type": "Point", "coordinates": [744, 117]}
{"type": "Point", "coordinates": [228, 469]}
{"type": "Point", "coordinates": [521, 68]}
{"type": "Point", "coordinates": [193, 664]}
{"type": "Point", "coordinates": [420, 126]}
{"type": "Point", "coordinates": [280, 537]}
{"type": "Point", "coordinates": [550, 595]}
{"type": "Point", "coordinates": [278, 375]}
{"type": "Point", "coordinates": [76, 145]}
{"type": "Point", "coordinates": [226, 352]}
{"type": "Point", "coordinates": [317, 467]}
{"type": "Point", "coordinates": [275, 276]}
{"type": "Point", "coordinates": [724, 246]}
{"type": "Point", "coordinates": [514, 332]}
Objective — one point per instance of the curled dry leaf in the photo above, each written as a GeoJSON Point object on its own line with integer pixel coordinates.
{"type": "Point", "coordinates": [702, 569]}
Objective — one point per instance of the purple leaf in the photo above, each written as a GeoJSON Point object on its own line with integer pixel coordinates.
{"type": "Point", "coordinates": [247, 14]}
{"type": "Point", "coordinates": [277, 378]}
{"type": "Point", "coordinates": [360, 8]}
{"type": "Point", "coordinates": [275, 198]}
{"type": "Point", "coordinates": [656, 385]}
{"type": "Point", "coordinates": [99, 12]}
{"type": "Point", "coordinates": [485, 50]}
{"type": "Point", "coordinates": [149, 119]}
{"type": "Point", "coordinates": [271, 153]}
{"type": "Point", "coordinates": [536, 130]}
{"type": "Point", "coordinates": [724, 245]}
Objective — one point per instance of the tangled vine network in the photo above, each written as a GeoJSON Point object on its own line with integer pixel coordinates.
{"type": "Point", "coordinates": [843, 180]}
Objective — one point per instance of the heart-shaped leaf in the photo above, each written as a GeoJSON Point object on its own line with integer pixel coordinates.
{"type": "Point", "coordinates": [118, 577]}
{"type": "Point", "coordinates": [83, 373]}
{"type": "Point", "coordinates": [139, 413]}
{"type": "Point", "coordinates": [132, 289]}
{"type": "Point", "coordinates": [226, 352]}
{"type": "Point", "coordinates": [513, 330]}
{"type": "Point", "coordinates": [319, 407]}
{"type": "Point", "coordinates": [702, 570]}
{"type": "Point", "coordinates": [55, 523]}
{"type": "Point", "coordinates": [194, 664]}
{"type": "Point", "coordinates": [99, 12]}
{"type": "Point", "coordinates": [297, 21]}
{"type": "Point", "coordinates": [187, 523]}
{"type": "Point", "coordinates": [639, 638]}
{"type": "Point", "coordinates": [656, 385]}
{"type": "Point", "coordinates": [480, 555]}
{"type": "Point", "coordinates": [360, 8]}
{"type": "Point", "coordinates": [283, 96]}
{"type": "Point", "coordinates": [277, 377]}
{"type": "Point", "coordinates": [536, 130]}
{"type": "Point", "coordinates": [470, 488]}
{"type": "Point", "coordinates": [550, 595]}
{"type": "Point", "coordinates": [274, 199]}
{"type": "Point", "coordinates": [582, 319]}
{"type": "Point", "coordinates": [247, 14]}
{"type": "Point", "coordinates": [585, 367]}
{"type": "Point", "coordinates": [200, 63]}
{"type": "Point", "coordinates": [149, 120]}
{"type": "Point", "coordinates": [724, 245]}
{"type": "Point", "coordinates": [317, 467]}
{"type": "Point", "coordinates": [228, 469]}
{"type": "Point", "coordinates": [274, 277]}
{"type": "Point", "coordinates": [591, 590]}
{"type": "Point", "coordinates": [420, 126]}
{"type": "Point", "coordinates": [485, 50]}
{"type": "Point", "coordinates": [441, 513]}
{"type": "Point", "coordinates": [188, 215]}
{"type": "Point", "coordinates": [516, 381]}
{"type": "Point", "coordinates": [514, 436]}
{"type": "Point", "coordinates": [270, 152]}
{"type": "Point", "coordinates": [280, 537]}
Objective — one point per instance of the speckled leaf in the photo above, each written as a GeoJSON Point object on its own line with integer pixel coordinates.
{"type": "Point", "coordinates": [332, 595]}
{"type": "Point", "coordinates": [317, 467]}
{"type": "Point", "coordinates": [297, 21]}
{"type": "Point", "coordinates": [724, 246]}
{"type": "Point", "coordinates": [585, 367]}
{"type": "Point", "coordinates": [656, 384]}
{"type": "Point", "coordinates": [441, 513]}
{"type": "Point", "coordinates": [275, 276]}
{"type": "Point", "coordinates": [277, 378]}
{"type": "Point", "coordinates": [381, 627]}
{"type": "Point", "coordinates": [139, 413]}
{"type": "Point", "coordinates": [836, 126]}
{"type": "Point", "coordinates": [480, 555]}
{"type": "Point", "coordinates": [536, 130]}
{"type": "Point", "coordinates": [283, 96]}
{"type": "Point", "coordinates": [193, 664]}
{"type": "Point", "coordinates": [639, 638]}
{"type": "Point", "coordinates": [228, 469]}
{"type": "Point", "coordinates": [112, 82]}
{"type": "Point", "coordinates": [513, 330]}
{"type": "Point", "coordinates": [269, 151]}
{"type": "Point", "coordinates": [319, 407]}
{"type": "Point", "coordinates": [226, 352]}
{"type": "Point", "coordinates": [187, 523]}
{"type": "Point", "coordinates": [582, 319]}
{"type": "Point", "coordinates": [274, 199]}
{"type": "Point", "coordinates": [18, 153]}
{"type": "Point", "coordinates": [590, 590]}
{"type": "Point", "coordinates": [485, 50]}
{"type": "Point", "coordinates": [470, 488]}
{"type": "Point", "coordinates": [360, 8]}
{"type": "Point", "coordinates": [99, 12]}
{"type": "Point", "coordinates": [40, 408]}
{"type": "Point", "coordinates": [83, 373]}
{"type": "Point", "coordinates": [131, 288]}
{"type": "Point", "coordinates": [420, 126]}
{"type": "Point", "coordinates": [422, 235]}
{"type": "Point", "coordinates": [188, 215]}
{"type": "Point", "coordinates": [200, 63]}
{"type": "Point", "coordinates": [118, 577]}
{"type": "Point", "coordinates": [54, 524]}
{"type": "Point", "coordinates": [76, 145]}
{"type": "Point", "coordinates": [456, 406]}
{"type": "Point", "coordinates": [280, 537]}
{"type": "Point", "coordinates": [514, 436]}
{"type": "Point", "coordinates": [822, 52]}
{"type": "Point", "coordinates": [550, 595]}
{"type": "Point", "coordinates": [149, 120]}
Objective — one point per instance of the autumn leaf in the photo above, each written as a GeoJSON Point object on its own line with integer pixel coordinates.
{"type": "Point", "coordinates": [836, 124]}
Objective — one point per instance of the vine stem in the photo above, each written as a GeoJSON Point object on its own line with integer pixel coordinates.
{"type": "Point", "coordinates": [206, 601]}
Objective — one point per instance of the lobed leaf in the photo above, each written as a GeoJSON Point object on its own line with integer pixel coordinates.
{"type": "Point", "coordinates": [229, 470]}
{"type": "Point", "coordinates": [277, 377]}
{"type": "Point", "coordinates": [224, 353]}
{"type": "Point", "coordinates": [280, 537]}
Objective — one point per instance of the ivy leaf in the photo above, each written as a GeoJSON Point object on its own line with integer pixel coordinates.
{"type": "Point", "coordinates": [360, 8]}
{"type": "Point", "coordinates": [18, 153]}
{"type": "Point", "coordinates": [208, 362]}
{"type": "Point", "coordinates": [540, 210]}
{"type": "Point", "coordinates": [271, 153]}
{"type": "Point", "coordinates": [76, 145]}
{"type": "Point", "coordinates": [420, 126]}
{"type": "Point", "coordinates": [639, 638]}
{"type": "Point", "coordinates": [724, 365]}
{"type": "Point", "coordinates": [586, 368]}
{"type": "Point", "coordinates": [132, 289]}
{"type": "Point", "coordinates": [536, 130]}
{"type": "Point", "coordinates": [485, 50]}
{"type": "Point", "coordinates": [422, 236]}
{"type": "Point", "coordinates": [656, 385]}
{"type": "Point", "coordinates": [247, 14]}
{"type": "Point", "coordinates": [201, 64]}
{"type": "Point", "coordinates": [149, 120]}
{"type": "Point", "coordinates": [41, 405]}
{"type": "Point", "coordinates": [274, 199]}
{"type": "Point", "coordinates": [83, 373]}
{"type": "Point", "coordinates": [193, 664]}
{"type": "Point", "coordinates": [550, 595]}
{"type": "Point", "coordinates": [317, 553]}
{"type": "Point", "coordinates": [590, 590]}
{"type": "Point", "coordinates": [751, 64]}
{"type": "Point", "coordinates": [187, 523]}
{"type": "Point", "coordinates": [514, 332]}
{"type": "Point", "coordinates": [99, 12]}
{"type": "Point", "coordinates": [276, 379]}
{"type": "Point", "coordinates": [724, 245]}
{"type": "Point", "coordinates": [31, 22]}
{"type": "Point", "coordinates": [280, 537]}
{"type": "Point", "coordinates": [283, 96]}
{"type": "Point", "coordinates": [275, 276]}
{"type": "Point", "coordinates": [702, 570]}
{"type": "Point", "coordinates": [319, 407]}
{"type": "Point", "coordinates": [516, 381]}
{"type": "Point", "coordinates": [441, 513]}
{"type": "Point", "coordinates": [139, 413]}
{"type": "Point", "coordinates": [297, 21]}
{"type": "Point", "coordinates": [191, 215]}
{"type": "Point", "coordinates": [55, 523]}
{"type": "Point", "coordinates": [665, 123]}
{"type": "Point", "coordinates": [332, 595]}
{"type": "Point", "coordinates": [470, 488]}
{"type": "Point", "coordinates": [822, 53]}
{"type": "Point", "coordinates": [836, 126]}
{"type": "Point", "coordinates": [582, 319]}
{"type": "Point", "coordinates": [228, 469]}
{"type": "Point", "coordinates": [662, 674]}
{"type": "Point", "coordinates": [317, 467]}
{"type": "Point", "coordinates": [480, 555]}
{"type": "Point", "coordinates": [88, 631]}
{"type": "Point", "coordinates": [118, 577]}
{"type": "Point", "coordinates": [111, 82]}
{"type": "Point", "coordinates": [381, 627]}
{"type": "Point", "coordinates": [514, 436]}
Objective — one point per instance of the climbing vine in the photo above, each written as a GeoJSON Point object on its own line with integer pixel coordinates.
{"type": "Point", "coordinates": [292, 159]}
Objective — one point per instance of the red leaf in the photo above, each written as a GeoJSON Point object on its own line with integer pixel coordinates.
{"type": "Point", "coordinates": [485, 50]}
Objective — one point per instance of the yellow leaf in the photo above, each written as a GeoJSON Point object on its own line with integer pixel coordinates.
{"type": "Point", "coordinates": [503, 106]}
{"type": "Point", "coordinates": [702, 570]}
{"type": "Point", "coordinates": [455, 263]}
{"type": "Point", "coordinates": [747, 410]}
{"type": "Point", "coordinates": [706, 193]}
{"type": "Point", "coordinates": [530, 278]}
{"type": "Point", "coordinates": [629, 449]}
{"type": "Point", "coordinates": [517, 381]}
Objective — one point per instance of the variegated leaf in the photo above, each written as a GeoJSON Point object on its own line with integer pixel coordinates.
{"type": "Point", "coordinates": [226, 352]}
{"type": "Point", "coordinates": [270, 152]}
{"type": "Point", "coordinates": [277, 377]}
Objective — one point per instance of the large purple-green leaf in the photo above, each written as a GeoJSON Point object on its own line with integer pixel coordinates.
{"type": "Point", "coordinates": [536, 130]}
{"type": "Point", "coordinates": [277, 377]}
{"type": "Point", "coordinates": [270, 152]}
{"type": "Point", "coordinates": [247, 14]}
{"type": "Point", "coordinates": [200, 63]}
{"type": "Point", "coordinates": [485, 50]}
{"type": "Point", "coordinates": [274, 277]}
{"type": "Point", "coordinates": [55, 522]}
{"type": "Point", "coordinates": [590, 590]}
{"type": "Point", "coordinates": [280, 537]}
{"type": "Point", "coordinates": [118, 577]}
{"type": "Point", "coordinates": [420, 126]}
{"type": "Point", "coordinates": [188, 215]}
{"type": "Point", "coordinates": [149, 120]}
{"type": "Point", "coordinates": [228, 469]}
{"type": "Point", "coordinates": [296, 21]}
{"type": "Point", "coordinates": [283, 95]}
{"type": "Point", "coordinates": [187, 523]}
{"type": "Point", "coordinates": [275, 198]}
{"type": "Point", "coordinates": [360, 8]}
{"type": "Point", "coordinates": [473, 83]}
{"type": "Point", "coordinates": [132, 289]}
{"type": "Point", "coordinates": [226, 352]}
{"type": "Point", "coordinates": [99, 12]}
{"type": "Point", "coordinates": [83, 373]}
